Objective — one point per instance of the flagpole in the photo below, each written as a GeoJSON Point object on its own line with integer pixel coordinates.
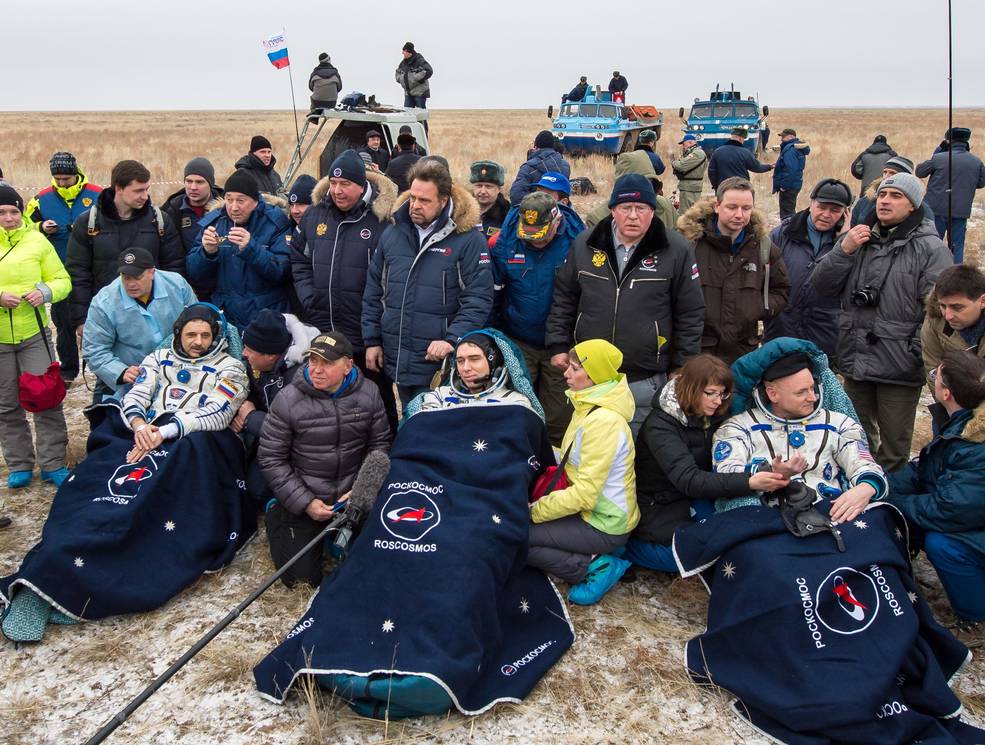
{"type": "Point", "coordinates": [294, 106]}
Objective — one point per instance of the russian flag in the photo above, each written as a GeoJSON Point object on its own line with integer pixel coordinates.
{"type": "Point", "coordinates": [276, 48]}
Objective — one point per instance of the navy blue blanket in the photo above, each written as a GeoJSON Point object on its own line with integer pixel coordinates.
{"type": "Point", "coordinates": [819, 646]}
{"type": "Point", "coordinates": [125, 538]}
{"type": "Point", "coordinates": [434, 606]}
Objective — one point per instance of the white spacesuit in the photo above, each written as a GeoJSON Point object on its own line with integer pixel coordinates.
{"type": "Point", "coordinates": [833, 444]}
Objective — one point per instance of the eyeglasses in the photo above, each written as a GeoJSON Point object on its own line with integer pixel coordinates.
{"type": "Point", "coordinates": [720, 395]}
{"type": "Point", "coordinates": [631, 209]}
{"type": "Point", "coordinates": [936, 373]}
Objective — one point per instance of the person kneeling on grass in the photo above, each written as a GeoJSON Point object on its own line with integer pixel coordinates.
{"type": "Point", "coordinates": [941, 492]}
{"type": "Point", "coordinates": [577, 530]}
{"type": "Point", "coordinates": [673, 461]}
{"type": "Point", "coordinates": [316, 435]}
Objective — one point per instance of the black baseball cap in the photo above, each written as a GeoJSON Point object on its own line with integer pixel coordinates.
{"type": "Point", "coordinates": [330, 346]}
{"type": "Point", "coordinates": [135, 261]}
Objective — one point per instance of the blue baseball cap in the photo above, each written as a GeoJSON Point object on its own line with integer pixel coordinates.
{"type": "Point", "coordinates": [555, 182]}
{"type": "Point", "coordinates": [688, 138]}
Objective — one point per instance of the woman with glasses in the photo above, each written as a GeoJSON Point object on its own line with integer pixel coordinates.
{"type": "Point", "coordinates": [674, 477]}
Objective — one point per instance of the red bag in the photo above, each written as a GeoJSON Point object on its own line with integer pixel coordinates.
{"type": "Point", "coordinates": [549, 481]}
{"type": "Point", "coordinates": [38, 393]}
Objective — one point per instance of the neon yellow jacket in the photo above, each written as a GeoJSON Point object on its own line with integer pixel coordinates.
{"type": "Point", "coordinates": [600, 469]}
{"type": "Point", "coordinates": [28, 262]}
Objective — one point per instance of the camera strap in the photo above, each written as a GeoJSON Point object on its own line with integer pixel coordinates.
{"type": "Point", "coordinates": [885, 277]}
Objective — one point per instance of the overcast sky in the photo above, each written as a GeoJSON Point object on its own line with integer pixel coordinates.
{"type": "Point", "coordinates": [110, 54]}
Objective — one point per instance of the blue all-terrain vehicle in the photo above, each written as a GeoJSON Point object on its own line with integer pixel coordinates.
{"type": "Point", "coordinates": [711, 121]}
{"type": "Point", "coordinates": [597, 124]}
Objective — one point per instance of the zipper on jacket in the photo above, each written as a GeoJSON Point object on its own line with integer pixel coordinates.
{"type": "Point", "coordinates": [444, 293]}
{"type": "Point", "coordinates": [574, 333]}
{"type": "Point", "coordinates": [656, 279]}
{"type": "Point", "coordinates": [331, 268]}
{"type": "Point", "coordinates": [656, 327]}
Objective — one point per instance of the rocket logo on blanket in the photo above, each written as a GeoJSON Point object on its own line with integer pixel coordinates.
{"type": "Point", "coordinates": [847, 601]}
{"type": "Point", "coordinates": [410, 515]}
{"type": "Point", "coordinates": [126, 480]}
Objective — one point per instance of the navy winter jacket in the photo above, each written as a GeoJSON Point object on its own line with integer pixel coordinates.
{"type": "Point", "coordinates": [541, 161]}
{"type": "Point", "coordinates": [330, 255]}
{"type": "Point", "coordinates": [969, 176]}
{"type": "Point", "coordinates": [733, 159]}
{"type": "Point", "coordinates": [658, 164]}
{"type": "Point", "coordinates": [943, 490]}
{"type": "Point", "coordinates": [788, 173]}
{"type": "Point", "coordinates": [248, 280]}
{"type": "Point", "coordinates": [524, 277]}
{"type": "Point", "coordinates": [807, 315]}
{"type": "Point", "coordinates": [416, 294]}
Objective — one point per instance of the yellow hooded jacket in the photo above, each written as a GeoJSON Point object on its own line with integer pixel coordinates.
{"type": "Point", "coordinates": [28, 262]}
{"type": "Point", "coordinates": [600, 469]}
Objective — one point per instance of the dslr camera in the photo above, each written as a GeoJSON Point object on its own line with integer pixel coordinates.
{"type": "Point", "coordinates": [865, 297]}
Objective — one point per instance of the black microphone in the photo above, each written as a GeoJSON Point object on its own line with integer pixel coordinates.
{"type": "Point", "coordinates": [362, 497]}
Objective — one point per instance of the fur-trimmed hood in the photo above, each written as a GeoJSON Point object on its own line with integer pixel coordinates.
{"type": "Point", "coordinates": [694, 222]}
{"type": "Point", "coordinates": [465, 210]}
{"type": "Point", "coordinates": [974, 428]}
{"type": "Point", "coordinates": [383, 199]}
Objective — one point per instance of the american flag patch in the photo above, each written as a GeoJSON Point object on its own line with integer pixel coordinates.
{"type": "Point", "coordinates": [694, 271]}
{"type": "Point", "coordinates": [863, 452]}
{"type": "Point", "coordinates": [227, 389]}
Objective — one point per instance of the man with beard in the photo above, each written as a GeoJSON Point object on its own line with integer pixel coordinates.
{"type": "Point", "coordinates": [429, 281]}
{"type": "Point", "coordinates": [195, 378]}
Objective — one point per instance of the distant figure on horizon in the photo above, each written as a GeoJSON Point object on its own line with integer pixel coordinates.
{"type": "Point", "coordinates": [867, 167]}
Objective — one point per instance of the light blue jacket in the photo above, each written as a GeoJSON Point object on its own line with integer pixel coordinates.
{"type": "Point", "coordinates": [119, 332]}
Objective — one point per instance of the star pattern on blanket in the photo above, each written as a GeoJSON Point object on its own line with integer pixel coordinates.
{"type": "Point", "coordinates": [898, 534]}
{"type": "Point", "coordinates": [524, 605]}
{"type": "Point", "coordinates": [860, 524]}
{"type": "Point", "coordinates": [388, 626]}
{"type": "Point", "coordinates": [912, 596]}
{"type": "Point", "coordinates": [728, 569]}
{"type": "Point", "coordinates": [497, 519]}
{"type": "Point", "coordinates": [169, 526]}
{"type": "Point", "coordinates": [479, 446]}
{"type": "Point", "coordinates": [79, 562]}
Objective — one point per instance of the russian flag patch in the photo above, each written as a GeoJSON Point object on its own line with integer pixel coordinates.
{"type": "Point", "coordinates": [694, 271]}
{"type": "Point", "coordinates": [227, 389]}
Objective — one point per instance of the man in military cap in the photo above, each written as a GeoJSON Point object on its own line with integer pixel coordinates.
{"type": "Point", "coordinates": [534, 242]}
{"type": "Point", "coordinates": [690, 171]}
{"type": "Point", "coordinates": [487, 178]}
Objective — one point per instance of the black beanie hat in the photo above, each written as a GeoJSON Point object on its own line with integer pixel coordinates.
{"type": "Point", "coordinates": [323, 56]}
{"type": "Point", "coordinates": [301, 189]}
{"type": "Point", "coordinates": [409, 47]}
{"type": "Point", "coordinates": [63, 164]}
{"type": "Point", "coordinates": [350, 167]}
{"type": "Point", "coordinates": [787, 365]}
{"type": "Point", "coordinates": [9, 197]}
{"type": "Point", "coordinates": [259, 142]}
{"type": "Point", "coordinates": [267, 333]}
{"type": "Point", "coordinates": [544, 138]}
{"type": "Point", "coordinates": [242, 182]}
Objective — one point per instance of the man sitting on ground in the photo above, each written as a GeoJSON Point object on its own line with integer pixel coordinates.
{"type": "Point", "coordinates": [196, 378]}
{"type": "Point", "coordinates": [129, 318]}
{"type": "Point", "coordinates": [940, 492]}
{"type": "Point", "coordinates": [315, 436]}
{"type": "Point", "coordinates": [788, 431]}
{"type": "Point", "coordinates": [273, 345]}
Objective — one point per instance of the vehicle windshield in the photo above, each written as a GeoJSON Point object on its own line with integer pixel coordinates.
{"type": "Point", "coordinates": [723, 110]}
{"type": "Point", "coordinates": [610, 111]}
{"type": "Point", "coordinates": [701, 111]}
{"type": "Point", "coordinates": [746, 111]}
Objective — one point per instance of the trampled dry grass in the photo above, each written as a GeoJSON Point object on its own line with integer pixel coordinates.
{"type": "Point", "coordinates": [622, 681]}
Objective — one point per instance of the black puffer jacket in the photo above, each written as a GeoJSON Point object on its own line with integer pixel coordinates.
{"type": "Point", "coordinates": [673, 466]}
{"type": "Point", "coordinates": [330, 255]}
{"type": "Point", "coordinates": [91, 260]}
{"type": "Point", "coordinates": [658, 296]}
{"type": "Point", "coordinates": [266, 177]}
{"type": "Point", "coordinates": [312, 442]}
